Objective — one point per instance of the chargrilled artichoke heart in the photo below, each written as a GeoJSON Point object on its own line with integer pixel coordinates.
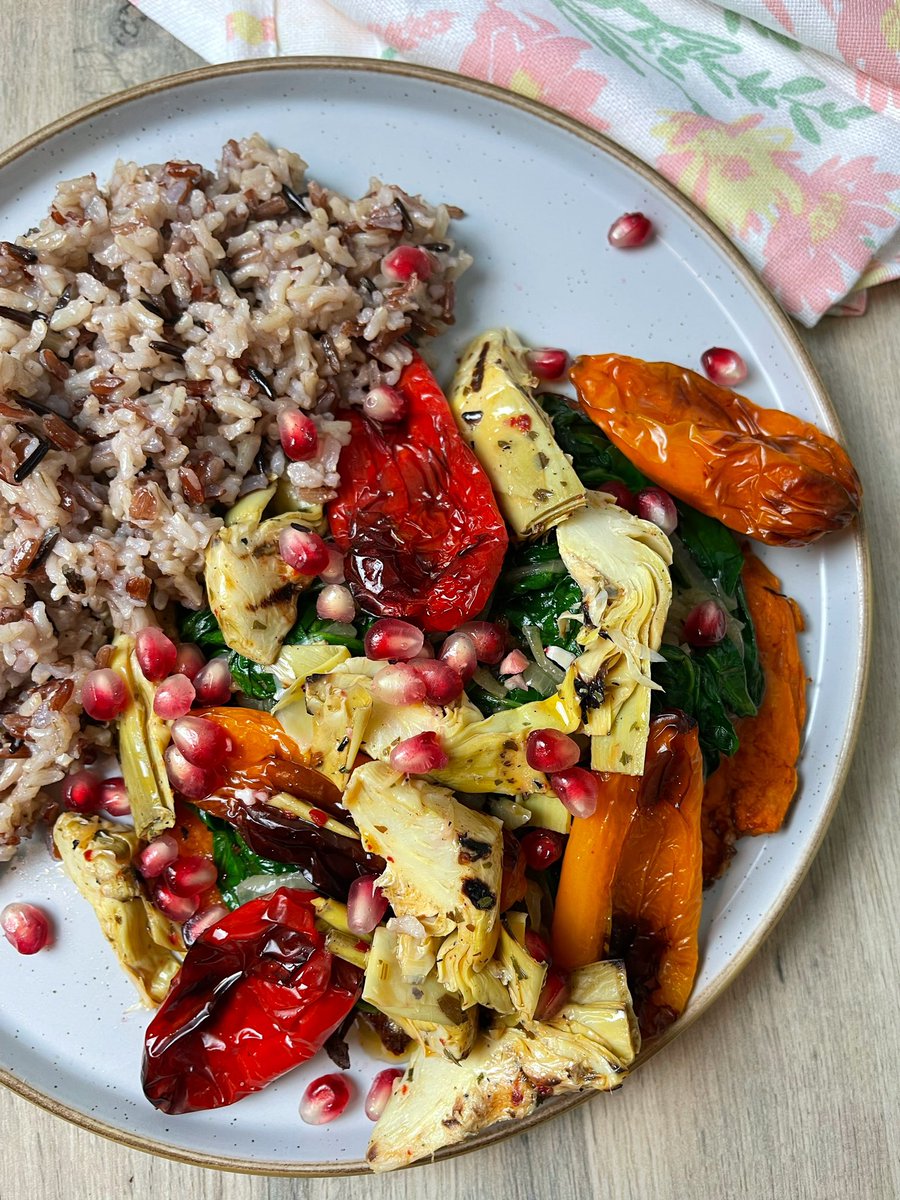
{"type": "Point", "coordinates": [487, 754]}
{"type": "Point", "coordinates": [143, 739]}
{"type": "Point", "coordinates": [444, 868]}
{"type": "Point", "coordinates": [621, 565]}
{"type": "Point", "coordinates": [251, 589]}
{"type": "Point", "coordinates": [491, 398]}
{"type": "Point", "coordinates": [97, 856]}
{"type": "Point", "coordinates": [423, 1008]}
{"type": "Point", "coordinates": [590, 1043]}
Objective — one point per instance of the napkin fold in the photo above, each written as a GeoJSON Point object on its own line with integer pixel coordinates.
{"type": "Point", "coordinates": [779, 118]}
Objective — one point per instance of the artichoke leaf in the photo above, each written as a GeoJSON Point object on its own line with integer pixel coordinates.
{"type": "Point", "coordinates": [590, 1043]}
{"type": "Point", "coordinates": [621, 564]}
{"type": "Point", "coordinates": [327, 716]}
{"type": "Point", "coordinates": [521, 974]}
{"type": "Point", "coordinates": [97, 856]}
{"type": "Point", "coordinates": [424, 1009]}
{"type": "Point", "coordinates": [444, 868]}
{"type": "Point", "coordinates": [491, 399]}
{"type": "Point", "coordinates": [251, 589]}
{"type": "Point", "coordinates": [143, 738]}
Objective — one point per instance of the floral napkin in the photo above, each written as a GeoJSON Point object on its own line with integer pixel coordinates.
{"type": "Point", "coordinates": [779, 118]}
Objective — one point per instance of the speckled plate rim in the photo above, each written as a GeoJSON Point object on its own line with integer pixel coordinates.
{"type": "Point", "coordinates": [702, 1000]}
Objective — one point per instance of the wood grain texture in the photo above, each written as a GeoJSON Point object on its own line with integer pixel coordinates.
{"type": "Point", "coordinates": [788, 1086]}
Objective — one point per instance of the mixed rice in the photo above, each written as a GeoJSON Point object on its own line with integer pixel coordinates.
{"type": "Point", "coordinates": [150, 333]}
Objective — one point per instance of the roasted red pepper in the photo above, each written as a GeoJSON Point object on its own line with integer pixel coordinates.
{"type": "Point", "coordinates": [256, 995]}
{"type": "Point", "coordinates": [415, 513]}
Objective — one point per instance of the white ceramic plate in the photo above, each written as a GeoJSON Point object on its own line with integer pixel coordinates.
{"type": "Point", "coordinates": [539, 192]}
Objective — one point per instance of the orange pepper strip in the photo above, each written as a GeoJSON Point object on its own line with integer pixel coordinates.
{"type": "Point", "coordinates": [582, 915]}
{"type": "Point", "coordinates": [658, 887]}
{"type": "Point", "coordinates": [762, 472]}
{"type": "Point", "coordinates": [756, 785]}
{"type": "Point", "coordinates": [262, 755]}
{"type": "Point", "coordinates": [195, 838]}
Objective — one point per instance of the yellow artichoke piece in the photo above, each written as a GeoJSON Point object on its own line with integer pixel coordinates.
{"type": "Point", "coordinates": [295, 664]}
{"type": "Point", "coordinates": [97, 856]}
{"type": "Point", "coordinates": [444, 867]}
{"type": "Point", "coordinates": [424, 1009]}
{"type": "Point", "coordinates": [251, 589]}
{"type": "Point", "coordinates": [327, 716]}
{"type": "Point", "coordinates": [590, 1043]}
{"type": "Point", "coordinates": [547, 812]}
{"type": "Point", "coordinates": [621, 564]}
{"type": "Point", "coordinates": [491, 398]}
{"type": "Point", "coordinates": [143, 739]}
{"type": "Point", "coordinates": [250, 508]}
{"type": "Point", "coordinates": [521, 975]}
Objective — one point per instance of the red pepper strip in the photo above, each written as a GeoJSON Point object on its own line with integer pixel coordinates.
{"type": "Point", "coordinates": [415, 513]}
{"type": "Point", "coordinates": [256, 995]}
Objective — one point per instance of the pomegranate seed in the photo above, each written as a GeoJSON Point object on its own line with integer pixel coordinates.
{"type": "Point", "coordinates": [192, 781]}
{"type": "Point", "coordinates": [399, 684]}
{"type": "Point", "coordinates": [390, 638]}
{"type": "Point", "coordinates": [705, 625]}
{"type": "Point", "coordinates": [114, 798]}
{"type": "Point", "coordinates": [189, 661]}
{"type": "Point", "coordinates": [537, 947]}
{"type": "Point", "coordinates": [488, 638]}
{"type": "Point", "coordinates": [443, 685]}
{"type": "Point", "coordinates": [419, 754]}
{"type": "Point", "coordinates": [427, 652]}
{"type": "Point", "coordinates": [629, 230]}
{"type": "Point", "coordinates": [104, 694]}
{"type": "Point", "coordinates": [554, 994]}
{"type": "Point", "coordinates": [549, 750]}
{"type": "Point", "coordinates": [724, 367]}
{"type": "Point", "coordinates": [458, 651]}
{"type": "Point", "coordinates": [514, 683]}
{"type": "Point", "coordinates": [26, 927]}
{"type": "Point", "coordinates": [542, 848]}
{"type": "Point", "coordinates": [213, 683]}
{"type": "Point", "coordinates": [334, 603]}
{"type": "Point", "coordinates": [82, 791]}
{"type": "Point", "coordinates": [298, 433]}
{"type": "Point", "coordinates": [303, 550]}
{"type": "Point", "coordinates": [514, 663]}
{"type": "Point", "coordinates": [619, 493]}
{"type": "Point", "coordinates": [324, 1099]}
{"type": "Point", "coordinates": [190, 875]}
{"type": "Point", "coordinates": [201, 921]}
{"type": "Point", "coordinates": [156, 855]}
{"type": "Point", "coordinates": [334, 572]}
{"type": "Point", "coordinates": [381, 1091]}
{"type": "Point", "coordinates": [653, 504]}
{"type": "Point", "coordinates": [174, 697]}
{"type": "Point", "coordinates": [385, 405]}
{"type": "Point", "coordinates": [549, 363]}
{"type": "Point", "coordinates": [366, 904]}
{"type": "Point", "coordinates": [403, 262]}
{"type": "Point", "coordinates": [578, 789]}
{"type": "Point", "coordinates": [176, 908]}
{"type": "Point", "coordinates": [157, 654]}
{"type": "Point", "coordinates": [203, 743]}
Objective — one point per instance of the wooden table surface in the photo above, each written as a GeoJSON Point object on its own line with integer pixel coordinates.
{"type": "Point", "coordinates": [788, 1087]}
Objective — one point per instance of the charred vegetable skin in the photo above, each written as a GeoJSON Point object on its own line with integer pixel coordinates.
{"type": "Point", "coordinates": [762, 472]}
{"type": "Point", "coordinates": [257, 994]}
{"type": "Point", "coordinates": [415, 513]}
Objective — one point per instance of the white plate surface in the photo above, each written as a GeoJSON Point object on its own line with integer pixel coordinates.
{"type": "Point", "coordinates": [539, 197]}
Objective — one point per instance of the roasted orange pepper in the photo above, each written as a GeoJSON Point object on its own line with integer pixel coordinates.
{"type": "Point", "coordinates": [762, 472]}
{"type": "Point", "coordinates": [750, 792]}
{"type": "Point", "coordinates": [657, 892]}
{"type": "Point", "coordinates": [582, 914]}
